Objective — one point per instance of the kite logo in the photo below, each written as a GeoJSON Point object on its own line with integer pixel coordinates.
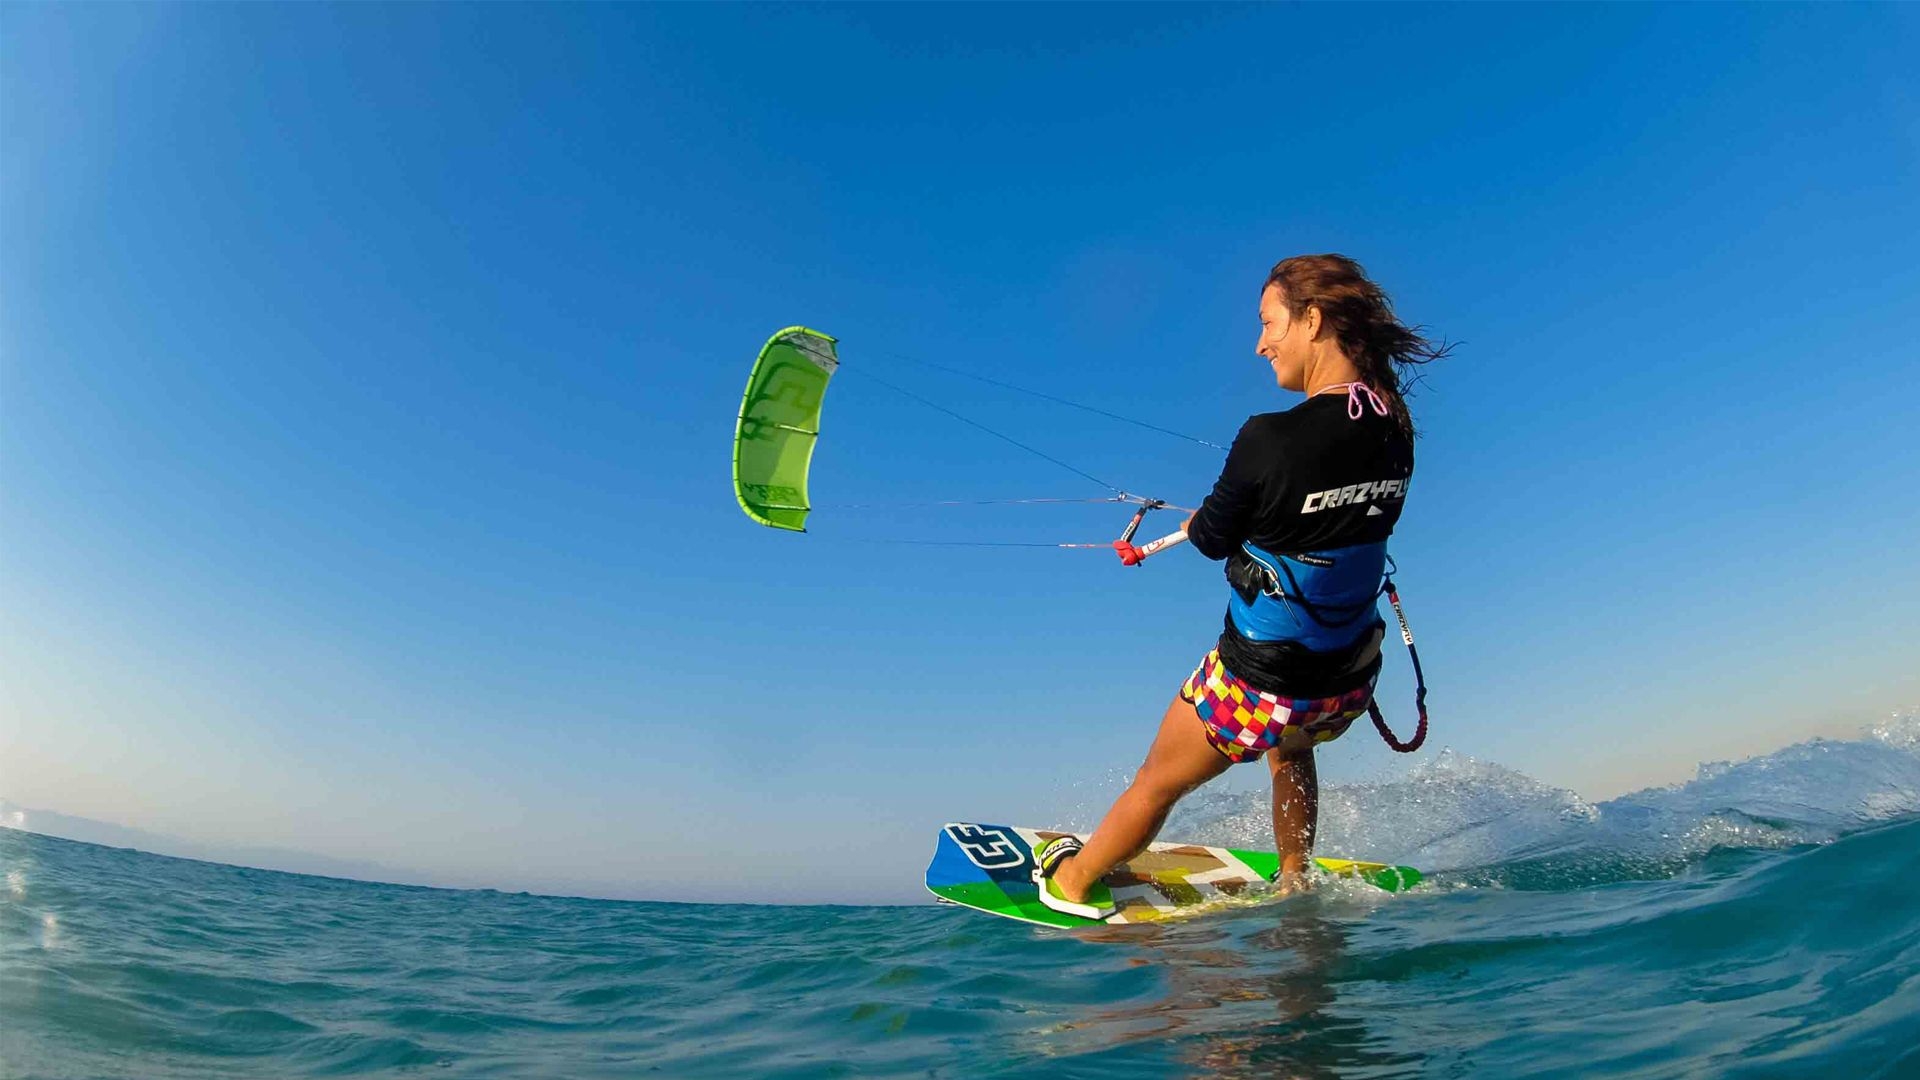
{"type": "Point", "coordinates": [988, 847]}
{"type": "Point", "coordinates": [803, 392]}
{"type": "Point", "coordinates": [773, 493]}
{"type": "Point", "coordinates": [786, 396]}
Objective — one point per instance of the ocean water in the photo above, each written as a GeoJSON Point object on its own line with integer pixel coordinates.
{"type": "Point", "coordinates": [1762, 920]}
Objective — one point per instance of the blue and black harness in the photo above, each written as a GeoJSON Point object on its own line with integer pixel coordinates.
{"type": "Point", "coordinates": [1318, 599]}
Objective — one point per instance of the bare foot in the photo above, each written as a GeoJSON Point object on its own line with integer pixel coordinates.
{"type": "Point", "coordinates": [1068, 889]}
{"type": "Point", "coordinates": [1292, 882]}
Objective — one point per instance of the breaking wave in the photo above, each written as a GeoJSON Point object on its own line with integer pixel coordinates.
{"type": "Point", "coordinates": [1479, 823]}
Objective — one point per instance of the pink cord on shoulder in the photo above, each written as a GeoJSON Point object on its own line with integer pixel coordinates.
{"type": "Point", "coordinates": [1354, 390]}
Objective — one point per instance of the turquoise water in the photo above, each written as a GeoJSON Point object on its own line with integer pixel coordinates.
{"type": "Point", "coordinates": [1763, 920]}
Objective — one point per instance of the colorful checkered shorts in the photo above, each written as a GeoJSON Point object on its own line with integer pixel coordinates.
{"type": "Point", "coordinates": [1244, 723]}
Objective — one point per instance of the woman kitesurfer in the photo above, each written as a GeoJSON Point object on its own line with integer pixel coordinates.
{"type": "Point", "coordinates": [1301, 513]}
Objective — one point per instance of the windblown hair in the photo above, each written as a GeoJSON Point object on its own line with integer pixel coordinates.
{"type": "Point", "coordinates": [1361, 318]}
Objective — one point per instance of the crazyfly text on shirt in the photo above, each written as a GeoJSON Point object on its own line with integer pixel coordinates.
{"type": "Point", "coordinates": [1372, 491]}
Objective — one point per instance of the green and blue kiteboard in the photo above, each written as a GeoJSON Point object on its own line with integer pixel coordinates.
{"type": "Point", "coordinates": [990, 868]}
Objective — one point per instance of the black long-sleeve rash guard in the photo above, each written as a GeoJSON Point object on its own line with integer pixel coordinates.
{"type": "Point", "coordinates": [1310, 481]}
{"type": "Point", "coordinates": [1312, 478]}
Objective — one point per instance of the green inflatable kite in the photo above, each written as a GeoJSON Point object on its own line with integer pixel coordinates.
{"type": "Point", "coordinates": [779, 423]}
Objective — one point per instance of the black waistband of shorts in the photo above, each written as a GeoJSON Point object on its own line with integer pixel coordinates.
{"type": "Point", "coordinates": [1290, 669]}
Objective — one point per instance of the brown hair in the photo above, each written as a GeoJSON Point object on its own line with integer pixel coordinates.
{"type": "Point", "coordinates": [1362, 320]}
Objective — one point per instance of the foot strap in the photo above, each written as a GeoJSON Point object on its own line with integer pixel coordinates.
{"type": "Point", "coordinates": [1054, 850]}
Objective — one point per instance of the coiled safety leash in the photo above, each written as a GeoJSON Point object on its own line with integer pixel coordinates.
{"type": "Point", "coordinates": [1419, 679]}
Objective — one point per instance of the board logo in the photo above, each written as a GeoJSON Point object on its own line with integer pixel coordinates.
{"type": "Point", "coordinates": [988, 847]}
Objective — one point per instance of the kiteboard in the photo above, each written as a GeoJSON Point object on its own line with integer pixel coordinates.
{"type": "Point", "coordinates": [990, 868]}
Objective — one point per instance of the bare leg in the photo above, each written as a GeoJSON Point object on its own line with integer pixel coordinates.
{"type": "Point", "coordinates": [1296, 801]}
{"type": "Point", "coordinates": [1180, 760]}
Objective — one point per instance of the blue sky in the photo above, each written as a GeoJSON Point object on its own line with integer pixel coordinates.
{"type": "Point", "coordinates": [367, 376]}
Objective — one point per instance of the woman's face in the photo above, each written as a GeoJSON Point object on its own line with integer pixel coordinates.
{"type": "Point", "coordinates": [1285, 342]}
